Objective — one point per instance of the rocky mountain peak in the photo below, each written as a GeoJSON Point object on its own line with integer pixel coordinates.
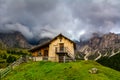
{"type": "Point", "coordinates": [14, 40]}
{"type": "Point", "coordinates": [98, 46]}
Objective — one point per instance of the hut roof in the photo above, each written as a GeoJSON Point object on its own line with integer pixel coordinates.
{"type": "Point", "coordinates": [48, 42]}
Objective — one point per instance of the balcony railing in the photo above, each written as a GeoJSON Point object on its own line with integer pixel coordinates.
{"type": "Point", "coordinates": [65, 50]}
{"type": "Point", "coordinates": [60, 50]}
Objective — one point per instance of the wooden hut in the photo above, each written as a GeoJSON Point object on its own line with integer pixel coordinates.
{"type": "Point", "coordinates": [59, 49]}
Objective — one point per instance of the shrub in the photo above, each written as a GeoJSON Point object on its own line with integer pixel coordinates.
{"type": "Point", "coordinates": [11, 59]}
{"type": "Point", "coordinates": [3, 65]}
{"type": "Point", "coordinates": [2, 61]}
{"type": "Point", "coordinates": [4, 56]}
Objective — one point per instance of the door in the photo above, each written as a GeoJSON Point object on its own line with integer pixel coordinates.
{"type": "Point", "coordinates": [61, 46]}
{"type": "Point", "coordinates": [45, 56]}
{"type": "Point", "coordinates": [61, 57]}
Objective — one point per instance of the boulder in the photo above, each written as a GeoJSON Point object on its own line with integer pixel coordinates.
{"type": "Point", "coordinates": [93, 71]}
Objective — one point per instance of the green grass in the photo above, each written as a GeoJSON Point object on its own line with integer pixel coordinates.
{"type": "Point", "coordinates": [62, 71]}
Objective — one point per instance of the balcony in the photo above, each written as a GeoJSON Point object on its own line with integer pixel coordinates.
{"type": "Point", "coordinates": [61, 49]}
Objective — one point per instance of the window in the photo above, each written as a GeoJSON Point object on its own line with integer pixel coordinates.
{"type": "Point", "coordinates": [39, 53]}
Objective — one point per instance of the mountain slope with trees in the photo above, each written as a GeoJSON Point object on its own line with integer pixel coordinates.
{"type": "Point", "coordinates": [112, 62]}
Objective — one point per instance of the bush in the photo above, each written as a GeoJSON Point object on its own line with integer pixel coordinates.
{"type": "Point", "coordinates": [3, 65]}
{"type": "Point", "coordinates": [2, 61]}
{"type": "Point", "coordinates": [11, 59]}
{"type": "Point", "coordinates": [4, 56]}
{"type": "Point", "coordinates": [20, 52]}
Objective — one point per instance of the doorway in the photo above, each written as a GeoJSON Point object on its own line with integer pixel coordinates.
{"type": "Point", "coordinates": [45, 56]}
{"type": "Point", "coordinates": [61, 57]}
{"type": "Point", "coordinates": [61, 47]}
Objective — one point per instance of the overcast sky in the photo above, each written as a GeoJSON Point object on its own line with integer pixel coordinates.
{"type": "Point", "coordinates": [47, 18]}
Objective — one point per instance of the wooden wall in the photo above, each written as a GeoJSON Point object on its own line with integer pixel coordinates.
{"type": "Point", "coordinates": [51, 48]}
{"type": "Point", "coordinates": [41, 50]}
{"type": "Point", "coordinates": [55, 43]}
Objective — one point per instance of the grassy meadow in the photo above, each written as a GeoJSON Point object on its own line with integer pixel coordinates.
{"type": "Point", "coordinates": [62, 71]}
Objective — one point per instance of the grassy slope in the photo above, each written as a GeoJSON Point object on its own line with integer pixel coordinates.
{"type": "Point", "coordinates": [3, 61]}
{"type": "Point", "coordinates": [62, 71]}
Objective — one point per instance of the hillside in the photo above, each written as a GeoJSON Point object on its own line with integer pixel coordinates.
{"type": "Point", "coordinates": [10, 55]}
{"type": "Point", "coordinates": [62, 71]}
{"type": "Point", "coordinates": [112, 62]}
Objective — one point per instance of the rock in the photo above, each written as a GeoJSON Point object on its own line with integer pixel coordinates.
{"type": "Point", "coordinates": [93, 71]}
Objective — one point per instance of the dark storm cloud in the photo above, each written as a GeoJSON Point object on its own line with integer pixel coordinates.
{"type": "Point", "coordinates": [97, 15]}
{"type": "Point", "coordinates": [47, 18]}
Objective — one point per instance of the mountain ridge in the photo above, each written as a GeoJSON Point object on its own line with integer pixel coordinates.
{"type": "Point", "coordinates": [99, 46]}
{"type": "Point", "coordinates": [13, 40]}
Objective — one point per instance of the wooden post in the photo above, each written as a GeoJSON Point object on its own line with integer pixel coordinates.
{"type": "Point", "coordinates": [10, 66]}
{"type": "Point", "coordinates": [0, 75]}
{"type": "Point", "coordinates": [64, 59]}
{"type": "Point", "coordinates": [27, 58]}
